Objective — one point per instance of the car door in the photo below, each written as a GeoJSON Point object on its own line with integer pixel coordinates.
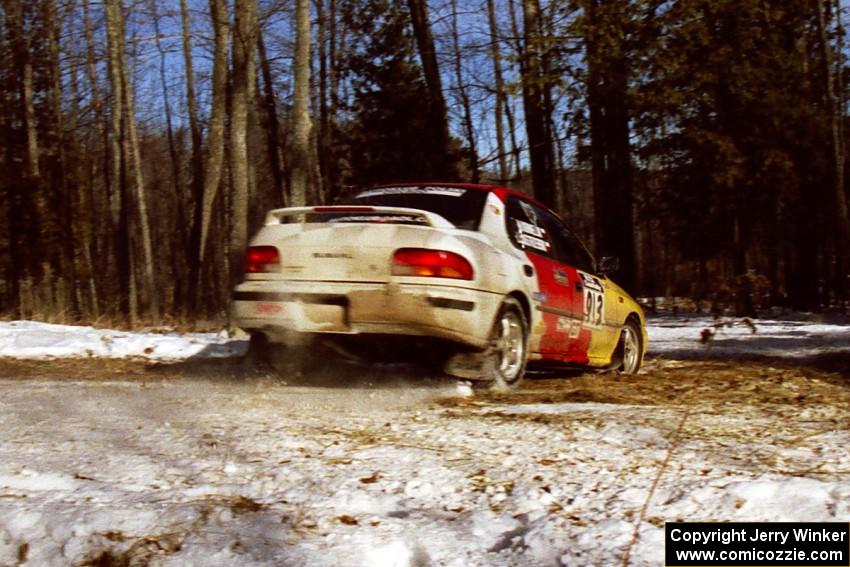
{"type": "Point", "coordinates": [601, 324]}
{"type": "Point", "coordinates": [532, 229]}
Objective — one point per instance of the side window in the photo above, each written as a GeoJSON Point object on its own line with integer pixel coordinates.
{"type": "Point", "coordinates": [536, 230]}
{"type": "Point", "coordinates": [528, 228]}
{"type": "Point", "coordinates": [570, 250]}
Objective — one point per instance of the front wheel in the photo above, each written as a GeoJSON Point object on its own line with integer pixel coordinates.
{"type": "Point", "coordinates": [508, 346]}
{"type": "Point", "coordinates": [632, 345]}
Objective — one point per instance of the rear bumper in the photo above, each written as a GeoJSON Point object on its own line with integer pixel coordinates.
{"type": "Point", "coordinates": [281, 308]}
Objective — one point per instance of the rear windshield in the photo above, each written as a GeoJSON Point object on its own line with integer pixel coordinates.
{"type": "Point", "coordinates": [461, 207]}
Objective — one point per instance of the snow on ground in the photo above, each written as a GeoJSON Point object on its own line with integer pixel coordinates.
{"type": "Point", "coordinates": [196, 470]}
{"type": "Point", "coordinates": [677, 337]}
{"type": "Point", "coordinates": [670, 337]}
{"type": "Point", "coordinates": [34, 340]}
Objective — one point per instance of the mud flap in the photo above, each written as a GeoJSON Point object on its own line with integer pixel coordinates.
{"type": "Point", "coordinates": [472, 365]}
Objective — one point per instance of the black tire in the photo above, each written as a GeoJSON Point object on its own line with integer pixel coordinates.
{"type": "Point", "coordinates": [631, 348]}
{"type": "Point", "coordinates": [288, 361]}
{"type": "Point", "coordinates": [259, 350]}
{"type": "Point", "coordinates": [509, 347]}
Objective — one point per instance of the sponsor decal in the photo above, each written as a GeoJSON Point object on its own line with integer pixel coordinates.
{"type": "Point", "coordinates": [445, 191]}
{"type": "Point", "coordinates": [591, 282]}
{"type": "Point", "coordinates": [531, 236]}
{"type": "Point", "coordinates": [561, 277]}
{"type": "Point", "coordinates": [568, 326]}
{"type": "Point", "coordinates": [539, 296]}
{"type": "Point", "coordinates": [532, 242]}
{"type": "Point", "coordinates": [526, 228]}
{"type": "Point", "coordinates": [529, 211]}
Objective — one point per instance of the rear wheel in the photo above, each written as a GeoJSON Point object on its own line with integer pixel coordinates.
{"type": "Point", "coordinates": [508, 346]}
{"type": "Point", "coordinates": [632, 345]}
{"type": "Point", "coordinates": [286, 360]}
{"type": "Point", "coordinates": [259, 350]}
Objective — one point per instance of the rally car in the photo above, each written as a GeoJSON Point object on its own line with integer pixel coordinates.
{"type": "Point", "coordinates": [486, 270]}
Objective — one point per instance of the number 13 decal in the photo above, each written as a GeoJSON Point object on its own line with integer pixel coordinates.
{"type": "Point", "coordinates": [594, 307]}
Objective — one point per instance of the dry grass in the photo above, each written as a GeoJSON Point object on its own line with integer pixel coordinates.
{"type": "Point", "coordinates": [712, 382]}
{"type": "Point", "coordinates": [662, 383]}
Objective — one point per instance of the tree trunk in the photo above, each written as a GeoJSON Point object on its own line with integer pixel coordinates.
{"type": "Point", "coordinates": [516, 152]}
{"type": "Point", "coordinates": [324, 138]}
{"type": "Point", "coordinates": [118, 205]}
{"type": "Point", "coordinates": [438, 120]}
{"type": "Point", "coordinates": [179, 199]}
{"type": "Point", "coordinates": [59, 236]}
{"type": "Point", "coordinates": [840, 215]}
{"type": "Point", "coordinates": [464, 98]}
{"type": "Point", "coordinates": [23, 64]}
{"type": "Point", "coordinates": [534, 87]}
{"type": "Point", "coordinates": [151, 291]}
{"type": "Point", "coordinates": [105, 233]}
{"type": "Point", "coordinates": [83, 205]}
{"type": "Point", "coordinates": [24, 181]}
{"type": "Point", "coordinates": [272, 128]}
{"type": "Point", "coordinates": [215, 140]}
{"type": "Point", "coordinates": [495, 54]}
{"type": "Point", "coordinates": [191, 105]}
{"type": "Point", "coordinates": [334, 188]}
{"type": "Point", "coordinates": [302, 124]}
{"type": "Point", "coordinates": [607, 83]}
{"type": "Point", "coordinates": [244, 43]}
{"type": "Point", "coordinates": [192, 297]}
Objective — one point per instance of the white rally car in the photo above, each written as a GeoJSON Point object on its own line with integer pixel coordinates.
{"type": "Point", "coordinates": [486, 271]}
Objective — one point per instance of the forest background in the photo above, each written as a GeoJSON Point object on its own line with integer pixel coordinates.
{"type": "Point", "coordinates": [141, 141]}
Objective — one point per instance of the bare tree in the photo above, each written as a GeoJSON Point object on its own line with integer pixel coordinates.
{"type": "Point", "coordinates": [272, 123]}
{"type": "Point", "coordinates": [123, 108]}
{"type": "Point", "coordinates": [464, 97]}
{"type": "Point", "coordinates": [302, 124]}
{"type": "Point", "coordinates": [436, 102]}
{"type": "Point", "coordinates": [215, 140]}
{"type": "Point", "coordinates": [118, 202]}
{"type": "Point", "coordinates": [534, 92]}
{"type": "Point", "coordinates": [23, 65]}
{"type": "Point", "coordinates": [180, 201]}
{"type": "Point", "coordinates": [323, 137]}
{"type": "Point", "coordinates": [244, 43]}
{"type": "Point", "coordinates": [496, 56]}
{"type": "Point", "coordinates": [842, 223]}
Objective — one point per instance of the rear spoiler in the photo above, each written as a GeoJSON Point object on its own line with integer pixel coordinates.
{"type": "Point", "coordinates": [276, 216]}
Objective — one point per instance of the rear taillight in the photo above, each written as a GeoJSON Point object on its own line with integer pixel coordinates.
{"type": "Point", "coordinates": [261, 259]}
{"type": "Point", "coordinates": [431, 264]}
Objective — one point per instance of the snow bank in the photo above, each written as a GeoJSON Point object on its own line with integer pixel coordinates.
{"type": "Point", "coordinates": [33, 340]}
{"type": "Point", "coordinates": [696, 337]}
{"type": "Point", "coordinates": [669, 337]}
